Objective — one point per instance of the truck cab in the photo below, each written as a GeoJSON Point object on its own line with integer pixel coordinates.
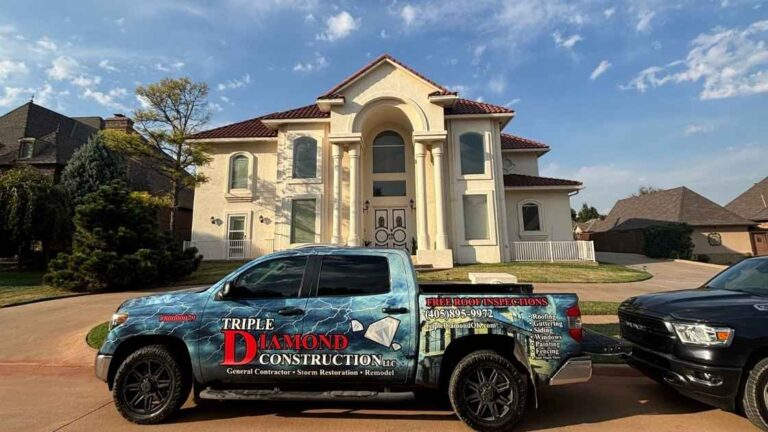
{"type": "Point", "coordinates": [341, 323]}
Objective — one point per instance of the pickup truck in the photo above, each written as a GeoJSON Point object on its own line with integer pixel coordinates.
{"type": "Point", "coordinates": [342, 323]}
{"type": "Point", "coordinates": [709, 343]}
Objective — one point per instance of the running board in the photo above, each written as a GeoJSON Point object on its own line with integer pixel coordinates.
{"type": "Point", "coordinates": [277, 394]}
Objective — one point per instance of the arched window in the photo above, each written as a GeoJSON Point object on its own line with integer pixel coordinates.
{"type": "Point", "coordinates": [531, 216]}
{"type": "Point", "coordinates": [238, 172]}
{"type": "Point", "coordinates": [304, 158]}
{"type": "Point", "coordinates": [472, 153]}
{"type": "Point", "coordinates": [388, 153]}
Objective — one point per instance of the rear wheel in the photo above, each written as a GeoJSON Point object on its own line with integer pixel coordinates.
{"type": "Point", "coordinates": [487, 392]}
{"type": "Point", "coordinates": [755, 399]}
{"type": "Point", "coordinates": [150, 385]}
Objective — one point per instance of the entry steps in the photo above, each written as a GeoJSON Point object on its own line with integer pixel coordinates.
{"type": "Point", "coordinates": [277, 394]}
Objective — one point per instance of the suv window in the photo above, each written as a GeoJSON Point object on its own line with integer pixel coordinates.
{"type": "Point", "coordinates": [277, 278]}
{"type": "Point", "coordinates": [353, 275]}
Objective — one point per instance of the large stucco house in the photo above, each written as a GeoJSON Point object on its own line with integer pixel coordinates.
{"type": "Point", "coordinates": [386, 158]}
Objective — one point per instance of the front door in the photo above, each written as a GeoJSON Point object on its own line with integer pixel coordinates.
{"type": "Point", "coordinates": [390, 228]}
{"type": "Point", "coordinates": [760, 240]}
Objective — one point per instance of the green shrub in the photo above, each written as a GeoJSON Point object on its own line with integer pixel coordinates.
{"type": "Point", "coordinates": [668, 241]}
{"type": "Point", "coordinates": [117, 245]}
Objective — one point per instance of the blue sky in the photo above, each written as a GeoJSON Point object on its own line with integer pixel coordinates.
{"type": "Point", "coordinates": [627, 93]}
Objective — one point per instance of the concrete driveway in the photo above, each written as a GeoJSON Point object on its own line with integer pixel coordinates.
{"type": "Point", "coordinates": [47, 383]}
{"type": "Point", "coordinates": [668, 275]}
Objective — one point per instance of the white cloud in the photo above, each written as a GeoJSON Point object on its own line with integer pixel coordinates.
{"type": "Point", "coordinates": [109, 99]}
{"type": "Point", "coordinates": [106, 65]}
{"type": "Point", "coordinates": [477, 54]}
{"type": "Point", "coordinates": [384, 34]}
{"type": "Point", "coordinates": [120, 23]}
{"type": "Point", "coordinates": [169, 67]}
{"type": "Point", "coordinates": [566, 42]}
{"type": "Point", "coordinates": [514, 101]}
{"type": "Point", "coordinates": [729, 62]}
{"type": "Point", "coordinates": [318, 63]}
{"type": "Point", "coordinates": [600, 69]}
{"type": "Point", "coordinates": [459, 88]}
{"type": "Point", "coordinates": [12, 95]}
{"type": "Point", "coordinates": [63, 67]}
{"type": "Point", "coordinates": [339, 26]}
{"type": "Point", "coordinates": [609, 12]}
{"type": "Point", "coordinates": [224, 99]}
{"type": "Point", "coordinates": [693, 129]}
{"type": "Point", "coordinates": [84, 80]}
{"type": "Point", "coordinates": [408, 14]}
{"type": "Point", "coordinates": [46, 44]}
{"type": "Point", "coordinates": [497, 84]}
{"type": "Point", "coordinates": [10, 67]}
{"type": "Point", "coordinates": [644, 20]}
{"type": "Point", "coordinates": [235, 83]}
{"type": "Point", "coordinates": [213, 106]}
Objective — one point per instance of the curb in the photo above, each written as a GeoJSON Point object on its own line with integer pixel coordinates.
{"type": "Point", "coordinates": [40, 300]}
{"type": "Point", "coordinates": [710, 265]}
{"type": "Point", "coordinates": [615, 370]}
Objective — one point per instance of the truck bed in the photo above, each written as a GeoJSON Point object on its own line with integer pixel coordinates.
{"type": "Point", "coordinates": [468, 288]}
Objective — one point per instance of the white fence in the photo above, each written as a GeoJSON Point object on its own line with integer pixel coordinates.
{"type": "Point", "coordinates": [553, 251]}
{"type": "Point", "coordinates": [231, 249]}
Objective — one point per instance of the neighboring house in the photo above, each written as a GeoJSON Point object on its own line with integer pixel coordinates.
{"type": "Point", "coordinates": [386, 158]}
{"type": "Point", "coordinates": [718, 233]}
{"type": "Point", "coordinates": [46, 140]}
{"type": "Point", "coordinates": [753, 205]}
{"type": "Point", "coordinates": [582, 230]}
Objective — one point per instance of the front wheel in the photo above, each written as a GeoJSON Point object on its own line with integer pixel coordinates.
{"type": "Point", "coordinates": [487, 392]}
{"type": "Point", "coordinates": [755, 399]}
{"type": "Point", "coordinates": [150, 385]}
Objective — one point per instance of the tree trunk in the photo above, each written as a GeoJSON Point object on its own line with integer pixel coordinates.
{"type": "Point", "coordinates": [174, 206]}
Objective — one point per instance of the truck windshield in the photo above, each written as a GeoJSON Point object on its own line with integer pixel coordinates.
{"type": "Point", "coordinates": [750, 276]}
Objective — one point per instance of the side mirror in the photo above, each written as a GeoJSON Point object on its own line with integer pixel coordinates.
{"type": "Point", "coordinates": [226, 290]}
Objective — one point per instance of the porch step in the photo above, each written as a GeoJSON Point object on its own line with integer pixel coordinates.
{"type": "Point", "coordinates": [277, 394]}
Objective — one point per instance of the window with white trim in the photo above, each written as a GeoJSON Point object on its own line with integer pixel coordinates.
{"type": "Point", "coordinates": [531, 216]}
{"type": "Point", "coordinates": [238, 172]}
{"type": "Point", "coordinates": [472, 153]}
{"type": "Point", "coordinates": [303, 217]}
{"type": "Point", "coordinates": [304, 158]}
{"type": "Point", "coordinates": [475, 217]}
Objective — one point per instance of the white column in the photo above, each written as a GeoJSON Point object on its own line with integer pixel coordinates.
{"type": "Point", "coordinates": [441, 242]}
{"type": "Point", "coordinates": [354, 193]}
{"type": "Point", "coordinates": [422, 235]}
{"type": "Point", "coordinates": [336, 154]}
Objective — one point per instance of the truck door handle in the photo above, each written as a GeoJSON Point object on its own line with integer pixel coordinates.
{"type": "Point", "coordinates": [395, 310]}
{"type": "Point", "coordinates": [290, 311]}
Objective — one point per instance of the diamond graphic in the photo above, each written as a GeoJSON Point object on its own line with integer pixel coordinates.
{"type": "Point", "coordinates": [396, 346]}
{"type": "Point", "coordinates": [383, 331]}
{"type": "Point", "coordinates": [356, 326]}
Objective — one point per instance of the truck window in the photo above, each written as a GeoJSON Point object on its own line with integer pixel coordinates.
{"type": "Point", "coordinates": [353, 275]}
{"type": "Point", "coordinates": [277, 278]}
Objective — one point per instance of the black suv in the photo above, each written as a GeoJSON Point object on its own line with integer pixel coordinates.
{"type": "Point", "coordinates": [709, 343]}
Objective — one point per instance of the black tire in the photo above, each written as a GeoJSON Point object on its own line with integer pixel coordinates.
{"type": "Point", "coordinates": [755, 400]}
{"type": "Point", "coordinates": [150, 385]}
{"type": "Point", "coordinates": [488, 392]}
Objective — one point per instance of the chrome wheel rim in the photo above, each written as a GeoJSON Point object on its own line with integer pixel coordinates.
{"type": "Point", "coordinates": [488, 393]}
{"type": "Point", "coordinates": [147, 387]}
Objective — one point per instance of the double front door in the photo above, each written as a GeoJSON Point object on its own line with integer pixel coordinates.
{"type": "Point", "coordinates": [391, 228]}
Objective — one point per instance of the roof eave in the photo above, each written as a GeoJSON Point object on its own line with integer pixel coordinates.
{"type": "Point", "coordinates": [528, 188]}
{"type": "Point", "coordinates": [325, 104]}
{"type": "Point", "coordinates": [444, 100]}
{"type": "Point", "coordinates": [540, 151]}
{"type": "Point", "coordinates": [275, 123]}
{"type": "Point", "coordinates": [231, 140]}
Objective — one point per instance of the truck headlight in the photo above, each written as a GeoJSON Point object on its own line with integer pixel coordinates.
{"type": "Point", "coordinates": [117, 319]}
{"type": "Point", "coordinates": [703, 335]}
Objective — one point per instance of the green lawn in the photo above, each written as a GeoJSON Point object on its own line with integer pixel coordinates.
{"type": "Point", "coordinates": [97, 335]}
{"type": "Point", "coordinates": [543, 272]}
{"type": "Point", "coordinates": [599, 308]}
{"type": "Point", "coordinates": [210, 272]}
{"type": "Point", "coordinates": [18, 286]}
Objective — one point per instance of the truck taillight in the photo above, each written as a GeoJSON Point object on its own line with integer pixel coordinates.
{"type": "Point", "coordinates": [574, 322]}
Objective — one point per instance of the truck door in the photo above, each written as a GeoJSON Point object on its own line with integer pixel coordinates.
{"type": "Point", "coordinates": [243, 336]}
{"type": "Point", "coordinates": [352, 298]}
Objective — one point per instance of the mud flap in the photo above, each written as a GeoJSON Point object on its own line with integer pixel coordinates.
{"type": "Point", "coordinates": [600, 344]}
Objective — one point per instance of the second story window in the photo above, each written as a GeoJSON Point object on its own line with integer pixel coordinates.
{"type": "Point", "coordinates": [26, 148]}
{"type": "Point", "coordinates": [472, 152]}
{"type": "Point", "coordinates": [304, 158]}
{"type": "Point", "coordinates": [238, 174]}
{"type": "Point", "coordinates": [388, 153]}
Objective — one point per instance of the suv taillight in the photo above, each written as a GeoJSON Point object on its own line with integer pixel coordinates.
{"type": "Point", "coordinates": [574, 322]}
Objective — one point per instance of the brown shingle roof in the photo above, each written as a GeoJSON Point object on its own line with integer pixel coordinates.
{"type": "Point", "coordinates": [679, 205]}
{"type": "Point", "coordinates": [467, 106]}
{"type": "Point", "coordinates": [512, 142]}
{"type": "Point", "coordinates": [520, 180]}
{"type": "Point", "coordinates": [334, 92]}
{"type": "Point", "coordinates": [753, 203]}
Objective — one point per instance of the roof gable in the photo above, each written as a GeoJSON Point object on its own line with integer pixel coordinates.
{"type": "Point", "coordinates": [753, 203]}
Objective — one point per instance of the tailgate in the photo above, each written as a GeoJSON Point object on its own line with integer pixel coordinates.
{"type": "Point", "coordinates": [598, 343]}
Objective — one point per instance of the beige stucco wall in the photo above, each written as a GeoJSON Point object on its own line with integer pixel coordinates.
{"type": "Point", "coordinates": [526, 163]}
{"type": "Point", "coordinates": [211, 198]}
{"type": "Point", "coordinates": [735, 241]}
{"type": "Point", "coordinates": [555, 214]}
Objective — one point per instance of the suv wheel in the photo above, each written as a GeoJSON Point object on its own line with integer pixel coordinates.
{"type": "Point", "coordinates": [150, 385]}
{"type": "Point", "coordinates": [755, 399]}
{"type": "Point", "coordinates": [487, 392]}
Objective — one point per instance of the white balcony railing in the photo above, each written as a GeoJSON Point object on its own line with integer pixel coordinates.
{"type": "Point", "coordinates": [553, 251]}
{"type": "Point", "coordinates": [231, 249]}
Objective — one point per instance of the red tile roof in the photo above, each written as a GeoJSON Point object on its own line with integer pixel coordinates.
{"type": "Point", "coordinates": [520, 180]}
{"type": "Point", "coordinates": [466, 106]}
{"type": "Point", "coordinates": [255, 128]}
{"type": "Point", "coordinates": [513, 142]}
{"type": "Point", "coordinates": [334, 92]}
{"type": "Point", "coordinates": [309, 111]}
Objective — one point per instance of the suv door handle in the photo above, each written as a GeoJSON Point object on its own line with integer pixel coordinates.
{"type": "Point", "coordinates": [289, 311]}
{"type": "Point", "coordinates": [395, 310]}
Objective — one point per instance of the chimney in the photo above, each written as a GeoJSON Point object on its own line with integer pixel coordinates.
{"type": "Point", "coordinates": [119, 122]}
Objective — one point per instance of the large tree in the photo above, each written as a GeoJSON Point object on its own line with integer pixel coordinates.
{"type": "Point", "coordinates": [587, 213]}
{"type": "Point", "coordinates": [172, 110]}
{"type": "Point", "coordinates": [645, 190]}
{"type": "Point", "coordinates": [93, 165]}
